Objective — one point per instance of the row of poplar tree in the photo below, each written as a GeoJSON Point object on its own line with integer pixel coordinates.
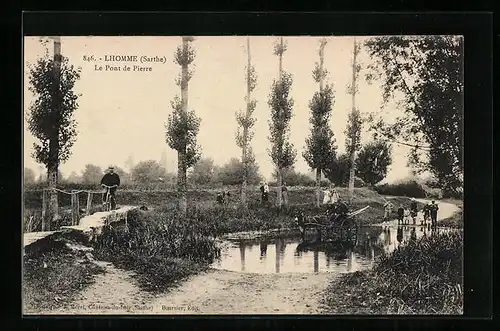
{"type": "Point", "coordinates": [431, 125]}
{"type": "Point", "coordinates": [183, 124]}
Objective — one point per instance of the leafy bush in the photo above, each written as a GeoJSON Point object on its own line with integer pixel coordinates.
{"type": "Point", "coordinates": [409, 188]}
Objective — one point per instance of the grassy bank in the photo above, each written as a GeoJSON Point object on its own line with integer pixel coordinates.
{"type": "Point", "coordinates": [235, 219]}
{"type": "Point", "coordinates": [424, 277]}
{"type": "Point", "coordinates": [159, 247]}
{"type": "Point", "coordinates": [53, 272]}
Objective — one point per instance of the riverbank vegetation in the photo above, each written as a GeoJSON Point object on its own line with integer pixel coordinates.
{"type": "Point", "coordinates": [423, 277]}
{"type": "Point", "coordinates": [55, 268]}
{"type": "Point", "coordinates": [159, 247]}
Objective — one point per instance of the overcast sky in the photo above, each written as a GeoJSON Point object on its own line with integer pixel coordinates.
{"type": "Point", "coordinates": [122, 114]}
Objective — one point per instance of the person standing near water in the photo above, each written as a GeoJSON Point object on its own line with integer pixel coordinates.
{"type": "Point", "coordinates": [401, 214]}
{"type": "Point", "coordinates": [387, 210]}
{"type": "Point", "coordinates": [264, 190]}
{"type": "Point", "coordinates": [427, 213]}
{"type": "Point", "coordinates": [284, 194]}
{"type": "Point", "coordinates": [413, 210]}
{"type": "Point", "coordinates": [407, 216]}
{"type": "Point", "coordinates": [434, 210]}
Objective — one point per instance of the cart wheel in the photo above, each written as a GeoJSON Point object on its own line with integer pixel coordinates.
{"type": "Point", "coordinates": [350, 231]}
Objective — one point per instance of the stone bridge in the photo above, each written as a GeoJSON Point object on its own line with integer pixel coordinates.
{"type": "Point", "coordinates": [90, 225]}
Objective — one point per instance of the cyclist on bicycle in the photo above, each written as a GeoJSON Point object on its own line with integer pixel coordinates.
{"type": "Point", "coordinates": [110, 181]}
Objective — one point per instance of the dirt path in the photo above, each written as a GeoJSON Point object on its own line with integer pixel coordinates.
{"type": "Point", "coordinates": [113, 292]}
{"type": "Point", "coordinates": [211, 292]}
{"type": "Point", "coordinates": [225, 292]}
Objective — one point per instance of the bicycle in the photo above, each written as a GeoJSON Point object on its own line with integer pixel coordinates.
{"type": "Point", "coordinates": [109, 196]}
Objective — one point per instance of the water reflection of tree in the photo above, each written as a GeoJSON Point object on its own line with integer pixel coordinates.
{"type": "Point", "coordinates": [242, 255]}
{"type": "Point", "coordinates": [371, 243]}
{"type": "Point", "coordinates": [350, 256]}
{"type": "Point", "coordinates": [278, 243]}
{"type": "Point", "coordinates": [282, 248]}
{"type": "Point", "coordinates": [263, 249]}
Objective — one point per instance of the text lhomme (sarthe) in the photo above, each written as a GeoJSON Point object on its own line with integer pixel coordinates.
{"type": "Point", "coordinates": [131, 63]}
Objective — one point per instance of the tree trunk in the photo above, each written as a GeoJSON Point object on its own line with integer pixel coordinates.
{"type": "Point", "coordinates": [53, 204]}
{"type": "Point", "coordinates": [53, 164]}
{"type": "Point", "coordinates": [244, 156]}
{"type": "Point", "coordinates": [245, 171]}
{"type": "Point", "coordinates": [321, 84]}
{"type": "Point", "coordinates": [279, 170]}
{"type": "Point", "coordinates": [182, 182]}
{"type": "Point", "coordinates": [318, 187]}
{"type": "Point", "coordinates": [279, 200]}
{"type": "Point", "coordinates": [181, 155]}
{"type": "Point", "coordinates": [353, 138]}
{"type": "Point", "coordinates": [352, 173]}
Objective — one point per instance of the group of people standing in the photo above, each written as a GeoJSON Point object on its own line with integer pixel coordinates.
{"type": "Point", "coordinates": [407, 215]}
{"type": "Point", "coordinates": [264, 190]}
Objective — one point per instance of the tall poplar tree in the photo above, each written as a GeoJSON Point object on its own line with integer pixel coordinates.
{"type": "Point", "coordinates": [282, 152]}
{"type": "Point", "coordinates": [354, 122]}
{"type": "Point", "coordinates": [245, 122]}
{"type": "Point", "coordinates": [320, 144]}
{"type": "Point", "coordinates": [183, 125]}
{"type": "Point", "coordinates": [50, 118]}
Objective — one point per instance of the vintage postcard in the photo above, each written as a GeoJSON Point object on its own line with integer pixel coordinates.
{"type": "Point", "coordinates": [243, 175]}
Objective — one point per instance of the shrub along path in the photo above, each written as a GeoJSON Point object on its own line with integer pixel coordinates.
{"type": "Point", "coordinates": [211, 292]}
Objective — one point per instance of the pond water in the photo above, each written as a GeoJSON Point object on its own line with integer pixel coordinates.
{"type": "Point", "coordinates": [287, 255]}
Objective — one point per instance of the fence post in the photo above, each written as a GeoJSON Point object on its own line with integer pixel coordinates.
{"type": "Point", "coordinates": [75, 207]}
{"type": "Point", "coordinates": [72, 208]}
{"type": "Point", "coordinates": [44, 208]}
{"type": "Point", "coordinates": [30, 223]}
{"type": "Point", "coordinates": [89, 202]}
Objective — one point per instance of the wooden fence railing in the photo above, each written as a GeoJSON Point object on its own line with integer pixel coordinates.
{"type": "Point", "coordinates": [75, 205]}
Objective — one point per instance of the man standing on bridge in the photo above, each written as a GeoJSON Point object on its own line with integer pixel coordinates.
{"type": "Point", "coordinates": [111, 181]}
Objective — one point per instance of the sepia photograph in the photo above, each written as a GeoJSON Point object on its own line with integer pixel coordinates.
{"type": "Point", "coordinates": [243, 175]}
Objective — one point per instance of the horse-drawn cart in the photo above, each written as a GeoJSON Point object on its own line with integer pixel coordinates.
{"type": "Point", "coordinates": [339, 228]}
